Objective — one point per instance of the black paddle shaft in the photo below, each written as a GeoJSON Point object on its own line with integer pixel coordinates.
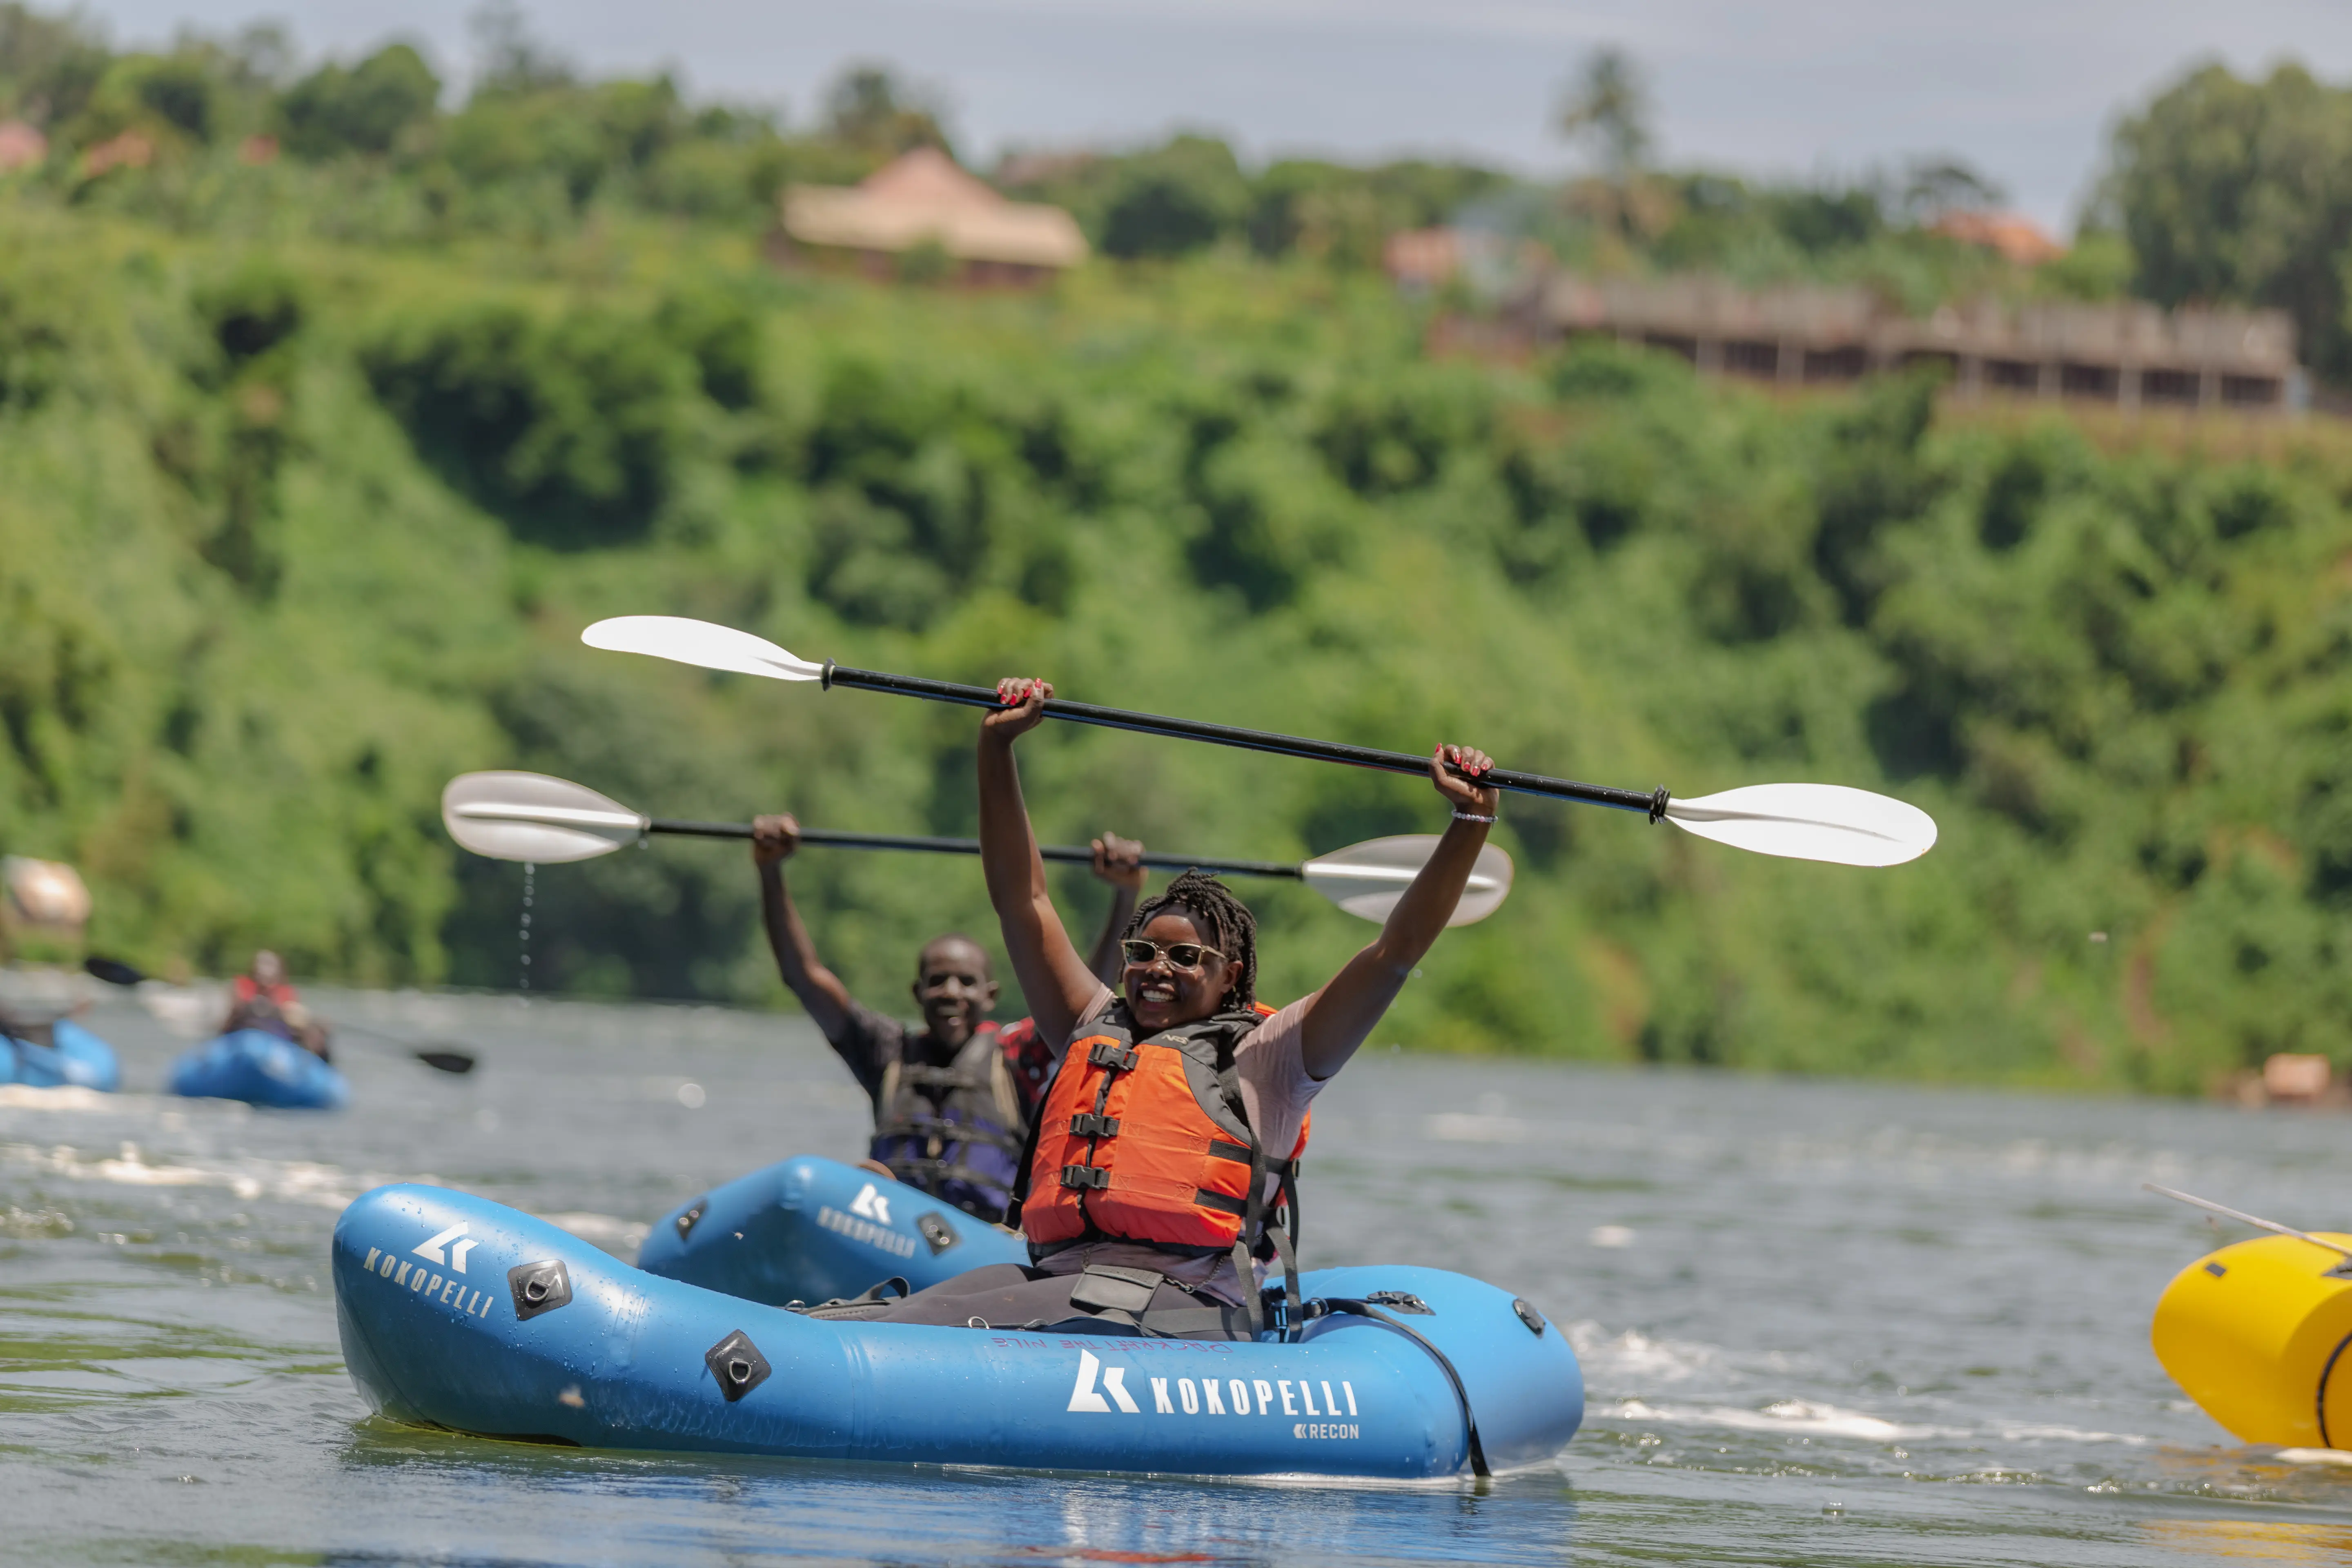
{"type": "Point", "coordinates": [969, 846]}
{"type": "Point", "coordinates": [1652, 803]}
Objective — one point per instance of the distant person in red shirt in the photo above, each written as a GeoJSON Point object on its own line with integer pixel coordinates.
{"type": "Point", "coordinates": [262, 999]}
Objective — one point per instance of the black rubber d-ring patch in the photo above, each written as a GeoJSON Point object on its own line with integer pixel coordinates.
{"type": "Point", "coordinates": [693, 1213]}
{"type": "Point", "coordinates": [1529, 1316]}
{"type": "Point", "coordinates": [936, 1231]}
{"type": "Point", "coordinates": [538, 1288]}
{"type": "Point", "coordinates": [737, 1365]}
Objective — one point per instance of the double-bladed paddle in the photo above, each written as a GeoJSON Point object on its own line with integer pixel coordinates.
{"type": "Point", "coordinates": [440, 1056]}
{"type": "Point", "coordinates": [1801, 821]}
{"type": "Point", "coordinates": [533, 817]}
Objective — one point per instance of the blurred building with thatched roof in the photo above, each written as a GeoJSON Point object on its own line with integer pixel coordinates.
{"type": "Point", "coordinates": [921, 205]}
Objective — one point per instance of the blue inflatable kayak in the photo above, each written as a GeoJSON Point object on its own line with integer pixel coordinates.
{"type": "Point", "coordinates": [458, 1312]}
{"type": "Point", "coordinates": [260, 1068]}
{"type": "Point", "coordinates": [75, 1056]}
{"type": "Point", "coordinates": [817, 1230]}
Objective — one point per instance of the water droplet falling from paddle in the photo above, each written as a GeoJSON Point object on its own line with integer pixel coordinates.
{"type": "Point", "coordinates": [530, 886]}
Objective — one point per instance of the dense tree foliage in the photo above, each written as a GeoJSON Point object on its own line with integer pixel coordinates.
{"type": "Point", "coordinates": [295, 537]}
{"type": "Point", "coordinates": [316, 468]}
{"type": "Point", "coordinates": [2241, 191]}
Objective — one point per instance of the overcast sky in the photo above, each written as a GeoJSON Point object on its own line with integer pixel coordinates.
{"type": "Point", "coordinates": [2023, 89]}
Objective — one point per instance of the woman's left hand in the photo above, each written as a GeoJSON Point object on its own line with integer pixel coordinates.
{"type": "Point", "coordinates": [1463, 794]}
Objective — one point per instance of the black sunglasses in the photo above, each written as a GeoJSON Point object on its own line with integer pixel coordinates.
{"type": "Point", "coordinates": [1182, 955]}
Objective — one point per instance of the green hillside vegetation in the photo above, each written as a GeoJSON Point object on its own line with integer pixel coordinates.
{"type": "Point", "coordinates": [295, 537]}
{"type": "Point", "coordinates": [307, 506]}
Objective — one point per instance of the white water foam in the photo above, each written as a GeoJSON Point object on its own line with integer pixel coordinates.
{"type": "Point", "coordinates": [1802, 1417]}
{"type": "Point", "coordinates": [1793, 1418]}
{"type": "Point", "coordinates": [294, 1181]}
{"type": "Point", "coordinates": [1634, 1355]}
{"type": "Point", "coordinates": [66, 1097]}
{"type": "Point", "coordinates": [2035, 1434]}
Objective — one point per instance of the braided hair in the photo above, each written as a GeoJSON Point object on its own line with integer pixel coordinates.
{"type": "Point", "coordinates": [1225, 922]}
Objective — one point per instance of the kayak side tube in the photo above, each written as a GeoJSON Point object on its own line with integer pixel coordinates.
{"type": "Point", "coordinates": [258, 1067]}
{"type": "Point", "coordinates": [458, 1312]}
{"type": "Point", "coordinates": [809, 1229]}
{"type": "Point", "coordinates": [74, 1058]}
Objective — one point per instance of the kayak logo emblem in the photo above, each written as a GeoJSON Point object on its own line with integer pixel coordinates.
{"type": "Point", "coordinates": [1083, 1397]}
{"type": "Point", "coordinates": [430, 1248]}
{"type": "Point", "coordinates": [869, 1203]}
{"type": "Point", "coordinates": [1214, 1396]}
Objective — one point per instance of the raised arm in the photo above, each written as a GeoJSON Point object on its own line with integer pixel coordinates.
{"type": "Point", "coordinates": [1120, 862]}
{"type": "Point", "coordinates": [1343, 1012]}
{"type": "Point", "coordinates": [1054, 978]}
{"type": "Point", "coordinates": [820, 992]}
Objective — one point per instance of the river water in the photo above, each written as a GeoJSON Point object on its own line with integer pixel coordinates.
{"type": "Point", "coordinates": [1821, 1322]}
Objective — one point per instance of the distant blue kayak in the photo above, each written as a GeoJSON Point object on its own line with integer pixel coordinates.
{"type": "Point", "coordinates": [75, 1057]}
{"type": "Point", "coordinates": [817, 1230]}
{"type": "Point", "coordinates": [260, 1070]}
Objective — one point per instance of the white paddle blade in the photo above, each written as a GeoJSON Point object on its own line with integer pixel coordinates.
{"type": "Point", "coordinates": [700, 643]}
{"type": "Point", "coordinates": [1809, 822]}
{"type": "Point", "coordinates": [533, 817]}
{"type": "Point", "coordinates": [1367, 878]}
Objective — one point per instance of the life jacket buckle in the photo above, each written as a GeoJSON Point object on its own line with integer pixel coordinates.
{"type": "Point", "coordinates": [1111, 1054]}
{"type": "Point", "coordinates": [1091, 1124]}
{"type": "Point", "coordinates": [1089, 1176]}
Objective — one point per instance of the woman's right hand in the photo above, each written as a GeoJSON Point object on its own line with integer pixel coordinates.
{"type": "Point", "coordinates": [773, 839]}
{"type": "Point", "coordinates": [1023, 710]}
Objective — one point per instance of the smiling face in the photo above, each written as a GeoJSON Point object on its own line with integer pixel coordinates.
{"type": "Point", "coordinates": [1160, 993]}
{"type": "Point", "coordinates": [955, 989]}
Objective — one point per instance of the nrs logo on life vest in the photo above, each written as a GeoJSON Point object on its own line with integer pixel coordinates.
{"type": "Point", "coordinates": [1100, 1388]}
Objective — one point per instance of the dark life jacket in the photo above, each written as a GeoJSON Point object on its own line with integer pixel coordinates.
{"type": "Point", "coordinates": [1147, 1141]}
{"type": "Point", "coordinates": [956, 1131]}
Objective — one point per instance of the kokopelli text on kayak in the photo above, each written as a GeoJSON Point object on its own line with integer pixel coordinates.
{"type": "Point", "coordinates": [1101, 1389]}
{"type": "Point", "coordinates": [447, 1289]}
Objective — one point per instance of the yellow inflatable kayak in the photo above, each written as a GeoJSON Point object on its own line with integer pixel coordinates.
{"type": "Point", "coordinates": [2258, 1334]}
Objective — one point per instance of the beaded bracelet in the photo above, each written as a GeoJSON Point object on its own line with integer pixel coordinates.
{"type": "Point", "coordinates": [1472, 817]}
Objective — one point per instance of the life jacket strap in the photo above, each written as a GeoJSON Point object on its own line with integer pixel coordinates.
{"type": "Point", "coordinates": [1093, 1124]}
{"type": "Point", "coordinates": [1112, 1055]}
{"type": "Point", "coordinates": [1092, 1177]}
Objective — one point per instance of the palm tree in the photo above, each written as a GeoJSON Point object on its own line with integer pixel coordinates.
{"type": "Point", "coordinates": [1608, 103]}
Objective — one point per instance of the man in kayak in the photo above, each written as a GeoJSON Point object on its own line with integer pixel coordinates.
{"type": "Point", "coordinates": [262, 999]}
{"type": "Point", "coordinates": [1159, 1173]}
{"type": "Point", "coordinates": [952, 1097]}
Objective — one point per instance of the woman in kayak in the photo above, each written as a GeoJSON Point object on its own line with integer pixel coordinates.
{"type": "Point", "coordinates": [1160, 1167]}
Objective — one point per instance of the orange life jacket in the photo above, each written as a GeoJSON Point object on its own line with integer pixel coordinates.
{"type": "Point", "coordinates": [1147, 1141]}
{"type": "Point", "coordinates": [248, 989]}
